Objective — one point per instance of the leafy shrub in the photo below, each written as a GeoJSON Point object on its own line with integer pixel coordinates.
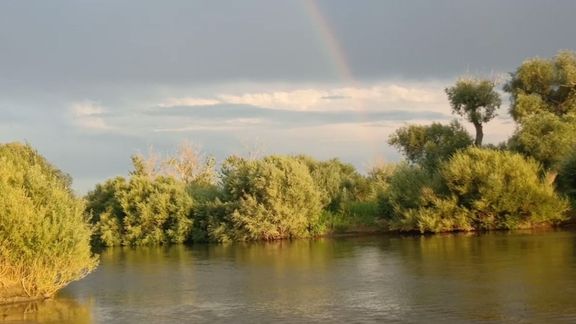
{"type": "Point", "coordinates": [270, 198]}
{"type": "Point", "coordinates": [404, 191]}
{"type": "Point", "coordinates": [44, 237]}
{"type": "Point", "coordinates": [338, 182]}
{"type": "Point", "coordinates": [429, 145]}
{"type": "Point", "coordinates": [142, 210]}
{"type": "Point", "coordinates": [566, 180]}
{"type": "Point", "coordinates": [545, 137]}
{"type": "Point", "coordinates": [485, 189]}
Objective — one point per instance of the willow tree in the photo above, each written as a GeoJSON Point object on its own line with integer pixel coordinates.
{"type": "Point", "coordinates": [543, 85]}
{"type": "Point", "coordinates": [543, 103]}
{"type": "Point", "coordinates": [477, 101]}
{"type": "Point", "coordinates": [429, 145]}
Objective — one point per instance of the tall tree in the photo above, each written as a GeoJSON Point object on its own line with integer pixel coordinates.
{"type": "Point", "coordinates": [477, 101]}
{"type": "Point", "coordinates": [543, 85]}
{"type": "Point", "coordinates": [543, 103]}
{"type": "Point", "coordinates": [429, 145]}
{"type": "Point", "coordinates": [545, 137]}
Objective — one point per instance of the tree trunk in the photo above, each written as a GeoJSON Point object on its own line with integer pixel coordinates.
{"type": "Point", "coordinates": [479, 134]}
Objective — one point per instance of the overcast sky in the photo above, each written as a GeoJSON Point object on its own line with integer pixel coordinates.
{"type": "Point", "coordinates": [90, 82]}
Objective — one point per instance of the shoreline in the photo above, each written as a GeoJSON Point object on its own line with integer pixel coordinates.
{"type": "Point", "coordinates": [21, 300]}
{"type": "Point", "coordinates": [359, 231]}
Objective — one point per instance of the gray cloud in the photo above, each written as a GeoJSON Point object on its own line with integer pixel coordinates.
{"type": "Point", "coordinates": [334, 97]}
{"type": "Point", "coordinates": [65, 43]}
{"type": "Point", "coordinates": [291, 118]}
{"type": "Point", "coordinates": [127, 55]}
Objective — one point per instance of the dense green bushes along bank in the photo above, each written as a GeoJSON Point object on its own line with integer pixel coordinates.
{"type": "Point", "coordinates": [44, 238]}
{"type": "Point", "coordinates": [275, 197]}
{"type": "Point", "coordinates": [477, 189]}
{"type": "Point", "coordinates": [279, 197]}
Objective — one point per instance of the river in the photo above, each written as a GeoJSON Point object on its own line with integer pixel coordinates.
{"type": "Point", "coordinates": [478, 278]}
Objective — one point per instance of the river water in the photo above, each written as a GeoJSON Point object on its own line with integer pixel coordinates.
{"type": "Point", "coordinates": [526, 277]}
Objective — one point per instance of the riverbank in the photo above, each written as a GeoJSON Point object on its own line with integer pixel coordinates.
{"type": "Point", "coordinates": [13, 292]}
{"type": "Point", "coordinates": [383, 228]}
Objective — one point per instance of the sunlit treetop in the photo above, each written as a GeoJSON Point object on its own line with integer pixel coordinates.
{"type": "Point", "coordinates": [476, 100]}
{"type": "Point", "coordinates": [540, 85]}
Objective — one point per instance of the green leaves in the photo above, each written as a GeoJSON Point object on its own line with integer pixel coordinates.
{"type": "Point", "coordinates": [476, 100]}
{"type": "Point", "coordinates": [428, 146]}
{"type": "Point", "coordinates": [566, 180]}
{"type": "Point", "coordinates": [271, 198]}
{"type": "Point", "coordinates": [44, 237]}
{"type": "Point", "coordinates": [544, 85]}
{"type": "Point", "coordinates": [545, 137]}
{"type": "Point", "coordinates": [140, 211]}
{"type": "Point", "coordinates": [477, 189]}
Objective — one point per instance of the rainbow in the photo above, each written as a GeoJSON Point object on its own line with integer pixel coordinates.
{"type": "Point", "coordinates": [339, 62]}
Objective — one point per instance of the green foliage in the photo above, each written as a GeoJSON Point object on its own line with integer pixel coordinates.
{"type": "Point", "coordinates": [437, 215]}
{"type": "Point", "coordinates": [428, 146]}
{"type": "Point", "coordinates": [546, 137]}
{"type": "Point", "coordinates": [544, 85]}
{"type": "Point", "coordinates": [143, 210]}
{"type": "Point", "coordinates": [212, 222]}
{"type": "Point", "coordinates": [379, 176]}
{"type": "Point", "coordinates": [44, 237]}
{"type": "Point", "coordinates": [484, 189]}
{"type": "Point", "coordinates": [355, 216]}
{"type": "Point", "coordinates": [271, 198]}
{"type": "Point", "coordinates": [502, 189]}
{"type": "Point", "coordinates": [476, 100]}
{"type": "Point", "coordinates": [566, 180]}
{"type": "Point", "coordinates": [404, 192]}
{"type": "Point", "coordinates": [338, 182]}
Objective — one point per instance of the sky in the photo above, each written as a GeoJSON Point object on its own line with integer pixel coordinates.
{"type": "Point", "coordinates": [91, 82]}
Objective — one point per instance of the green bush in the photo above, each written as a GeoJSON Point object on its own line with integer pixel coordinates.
{"type": "Point", "coordinates": [485, 189]}
{"type": "Point", "coordinates": [545, 137]}
{"type": "Point", "coordinates": [44, 237]}
{"type": "Point", "coordinates": [142, 210]}
{"type": "Point", "coordinates": [338, 182]}
{"type": "Point", "coordinates": [270, 198]}
{"type": "Point", "coordinates": [566, 180]}
{"type": "Point", "coordinates": [212, 221]}
{"type": "Point", "coordinates": [404, 190]}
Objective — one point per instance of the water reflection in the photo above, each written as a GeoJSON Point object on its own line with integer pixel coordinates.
{"type": "Point", "coordinates": [59, 310]}
{"type": "Point", "coordinates": [495, 277]}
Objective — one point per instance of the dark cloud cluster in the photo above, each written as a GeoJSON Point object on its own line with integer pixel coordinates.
{"type": "Point", "coordinates": [63, 43]}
